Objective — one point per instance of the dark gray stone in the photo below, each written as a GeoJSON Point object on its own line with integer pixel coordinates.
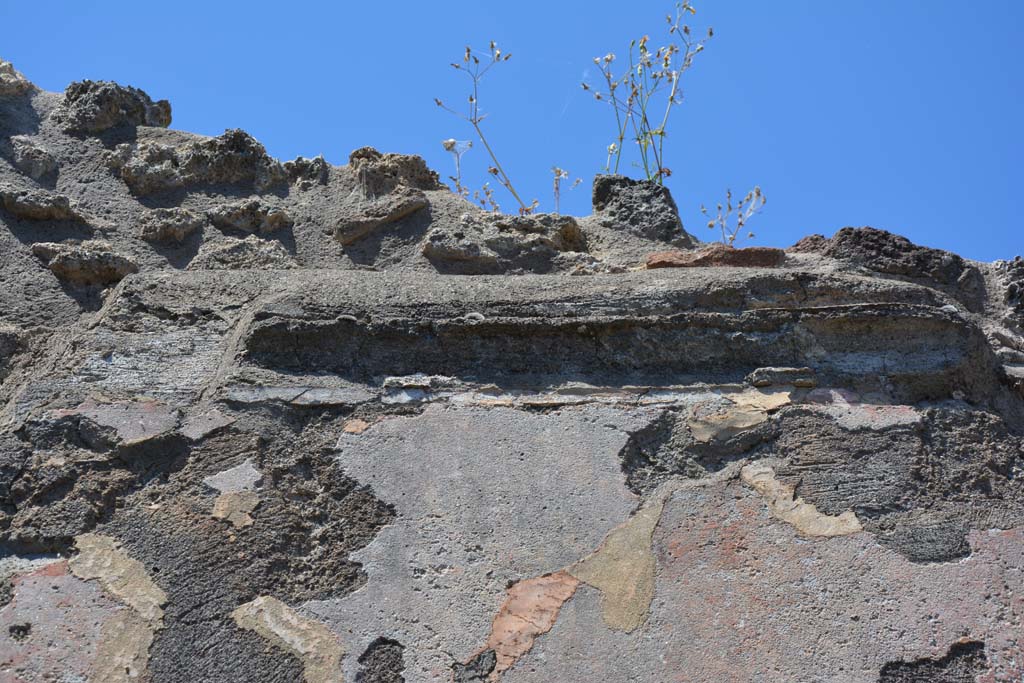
{"type": "Point", "coordinates": [641, 207]}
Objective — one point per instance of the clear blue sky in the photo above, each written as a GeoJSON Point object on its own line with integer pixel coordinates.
{"type": "Point", "coordinates": [901, 114]}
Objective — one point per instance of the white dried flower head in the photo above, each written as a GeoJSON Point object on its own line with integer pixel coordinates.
{"type": "Point", "coordinates": [613, 148]}
{"type": "Point", "coordinates": [449, 144]}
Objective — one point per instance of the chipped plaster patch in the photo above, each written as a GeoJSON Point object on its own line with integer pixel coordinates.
{"type": "Point", "coordinates": [473, 518]}
{"type": "Point", "coordinates": [868, 416]}
{"type": "Point", "coordinates": [622, 568]}
{"type": "Point", "coordinates": [530, 610]}
{"type": "Point", "coordinates": [15, 565]}
{"type": "Point", "coordinates": [200, 425]}
{"type": "Point", "coordinates": [134, 422]}
{"type": "Point", "coordinates": [68, 620]}
{"type": "Point", "coordinates": [310, 641]}
{"type": "Point", "coordinates": [803, 516]}
{"type": "Point", "coordinates": [99, 557]}
{"type": "Point", "coordinates": [244, 477]}
{"type": "Point", "coordinates": [235, 507]}
{"type": "Point", "coordinates": [852, 411]}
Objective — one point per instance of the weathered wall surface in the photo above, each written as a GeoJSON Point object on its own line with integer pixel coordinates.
{"type": "Point", "coordinates": [284, 422]}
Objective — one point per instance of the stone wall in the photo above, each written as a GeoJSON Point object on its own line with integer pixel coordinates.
{"type": "Point", "coordinates": [281, 422]}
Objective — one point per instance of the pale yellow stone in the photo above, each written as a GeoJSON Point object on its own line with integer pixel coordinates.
{"type": "Point", "coordinates": [761, 398]}
{"type": "Point", "coordinates": [355, 426]}
{"type": "Point", "coordinates": [123, 651]}
{"type": "Point", "coordinates": [803, 516]}
{"type": "Point", "coordinates": [750, 409]}
{"type": "Point", "coordinates": [622, 568]}
{"type": "Point", "coordinates": [724, 425]}
{"type": "Point", "coordinates": [99, 557]}
{"type": "Point", "coordinates": [310, 641]}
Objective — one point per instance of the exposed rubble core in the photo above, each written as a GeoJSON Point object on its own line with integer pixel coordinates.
{"type": "Point", "coordinates": [285, 422]}
{"type": "Point", "coordinates": [919, 480]}
{"type": "Point", "coordinates": [232, 158]}
{"type": "Point", "coordinates": [92, 107]}
{"type": "Point", "coordinates": [1012, 274]}
{"type": "Point", "coordinates": [380, 174]}
{"type": "Point", "coordinates": [892, 255]}
{"type": "Point", "coordinates": [307, 173]}
{"type": "Point", "coordinates": [501, 244]}
{"type": "Point", "coordinates": [250, 215]}
{"type": "Point", "coordinates": [963, 664]}
{"type": "Point", "coordinates": [382, 662]}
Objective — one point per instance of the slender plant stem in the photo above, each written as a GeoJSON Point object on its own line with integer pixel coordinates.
{"type": "Point", "coordinates": [668, 110]}
{"type": "Point", "coordinates": [474, 118]}
{"type": "Point", "coordinates": [618, 120]}
{"type": "Point", "coordinates": [504, 177]}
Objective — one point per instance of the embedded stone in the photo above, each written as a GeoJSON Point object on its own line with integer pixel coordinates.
{"type": "Point", "coordinates": [719, 255]}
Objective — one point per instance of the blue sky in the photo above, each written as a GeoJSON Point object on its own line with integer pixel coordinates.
{"type": "Point", "coordinates": [905, 115]}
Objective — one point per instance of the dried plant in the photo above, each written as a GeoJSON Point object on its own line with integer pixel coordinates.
{"type": "Point", "coordinates": [485, 196]}
{"type": "Point", "coordinates": [476, 70]}
{"type": "Point", "coordinates": [730, 220]}
{"type": "Point", "coordinates": [561, 174]}
{"type": "Point", "coordinates": [652, 83]}
{"type": "Point", "coordinates": [457, 148]}
{"type": "Point", "coordinates": [527, 210]}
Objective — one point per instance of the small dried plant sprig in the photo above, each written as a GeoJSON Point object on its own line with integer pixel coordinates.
{"type": "Point", "coordinates": [473, 67]}
{"type": "Point", "coordinates": [730, 220]}
{"type": "Point", "coordinates": [635, 95]}
{"type": "Point", "coordinates": [561, 174]}
{"type": "Point", "coordinates": [485, 196]}
{"type": "Point", "coordinates": [457, 148]}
